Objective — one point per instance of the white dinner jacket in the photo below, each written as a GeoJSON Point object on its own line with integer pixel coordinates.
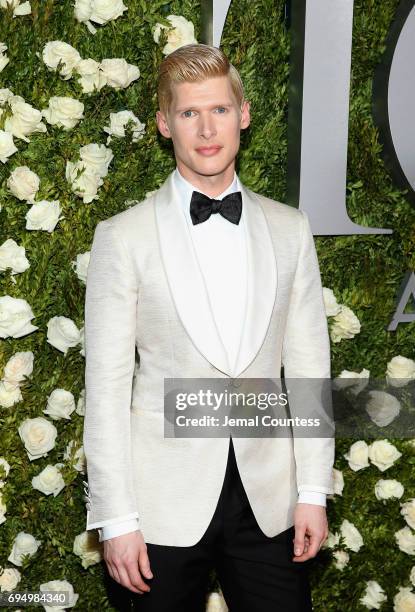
{"type": "Point", "coordinates": [145, 291]}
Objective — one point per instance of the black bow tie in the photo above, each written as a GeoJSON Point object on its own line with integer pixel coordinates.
{"type": "Point", "coordinates": [201, 207]}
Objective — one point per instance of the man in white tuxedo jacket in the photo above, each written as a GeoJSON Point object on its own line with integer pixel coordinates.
{"type": "Point", "coordinates": [203, 279]}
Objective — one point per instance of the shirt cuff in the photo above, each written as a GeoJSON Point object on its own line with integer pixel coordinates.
{"type": "Point", "coordinates": [312, 497]}
{"type": "Point", "coordinates": [117, 529]}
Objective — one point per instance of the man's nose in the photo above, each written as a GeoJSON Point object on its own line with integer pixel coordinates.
{"type": "Point", "coordinates": [207, 127]}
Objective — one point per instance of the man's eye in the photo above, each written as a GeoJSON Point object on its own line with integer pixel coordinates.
{"type": "Point", "coordinates": [186, 115]}
{"type": "Point", "coordinates": [221, 108]}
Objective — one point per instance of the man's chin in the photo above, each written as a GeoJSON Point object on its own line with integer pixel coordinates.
{"type": "Point", "coordinates": [211, 169]}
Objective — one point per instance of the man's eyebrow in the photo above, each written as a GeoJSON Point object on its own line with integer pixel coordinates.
{"type": "Point", "coordinates": [194, 107]}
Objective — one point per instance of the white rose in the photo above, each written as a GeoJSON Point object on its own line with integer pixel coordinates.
{"type": "Point", "coordinates": [6, 467]}
{"type": "Point", "coordinates": [341, 559]}
{"type": "Point", "coordinates": [408, 512]}
{"type": "Point", "coordinates": [87, 547]}
{"type": "Point", "coordinates": [7, 146]}
{"type": "Point", "coordinates": [216, 603]}
{"type": "Point", "coordinates": [81, 265]}
{"type": "Point", "coordinates": [3, 509]}
{"type": "Point", "coordinates": [83, 10]}
{"type": "Point", "coordinates": [382, 408]}
{"type": "Point", "coordinates": [13, 256]}
{"type": "Point", "coordinates": [56, 51]}
{"type": "Point", "coordinates": [78, 459]}
{"type": "Point", "coordinates": [80, 406]}
{"type": "Point", "coordinates": [330, 302]}
{"type": "Point", "coordinates": [38, 436]}
{"type": "Point", "coordinates": [58, 586]}
{"type": "Point", "coordinates": [86, 184]}
{"type": "Point", "coordinates": [9, 579]}
{"type": "Point", "coordinates": [63, 111]}
{"type": "Point", "coordinates": [374, 596]}
{"type": "Point", "coordinates": [44, 215]}
{"type": "Point", "coordinates": [107, 10]}
{"type": "Point", "coordinates": [404, 600]}
{"type": "Point", "coordinates": [118, 122]}
{"type": "Point", "coordinates": [405, 539]}
{"type": "Point", "coordinates": [383, 454]}
{"type": "Point", "coordinates": [358, 455]}
{"type": "Point", "coordinates": [338, 482]}
{"type": "Point", "coordinates": [10, 394]}
{"type": "Point", "coordinates": [60, 404]}
{"type": "Point", "coordinates": [412, 575]}
{"type": "Point", "coordinates": [345, 324]}
{"type": "Point", "coordinates": [62, 333]}
{"type": "Point", "coordinates": [351, 536]}
{"type": "Point", "coordinates": [399, 371]}
{"type": "Point", "coordinates": [331, 541]}
{"type": "Point", "coordinates": [118, 73]}
{"type": "Point", "coordinates": [91, 76]}
{"type": "Point", "coordinates": [49, 481]}
{"type": "Point", "coordinates": [23, 184]}
{"type": "Point", "coordinates": [357, 381]}
{"type": "Point", "coordinates": [82, 341]}
{"type": "Point", "coordinates": [5, 95]}
{"type": "Point", "coordinates": [15, 317]}
{"type": "Point", "coordinates": [25, 119]}
{"type": "Point", "coordinates": [22, 9]}
{"type": "Point", "coordinates": [19, 367]}
{"type": "Point", "coordinates": [97, 157]}
{"type": "Point", "coordinates": [24, 544]}
{"type": "Point", "coordinates": [4, 60]}
{"type": "Point", "coordinates": [181, 32]}
{"type": "Point", "coordinates": [386, 489]}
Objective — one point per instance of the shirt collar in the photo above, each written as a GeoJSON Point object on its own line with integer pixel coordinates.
{"type": "Point", "coordinates": [185, 189]}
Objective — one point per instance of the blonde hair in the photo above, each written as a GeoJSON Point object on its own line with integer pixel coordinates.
{"type": "Point", "coordinates": [192, 63]}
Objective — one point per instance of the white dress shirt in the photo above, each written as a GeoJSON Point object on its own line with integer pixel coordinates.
{"type": "Point", "coordinates": [220, 249]}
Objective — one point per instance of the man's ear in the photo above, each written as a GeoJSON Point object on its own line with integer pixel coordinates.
{"type": "Point", "coordinates": [162, 124]}
{"type": "Point", "coordinates": [245, 114]}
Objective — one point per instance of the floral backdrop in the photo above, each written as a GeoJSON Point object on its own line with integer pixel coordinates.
{"type": "Point", "coordinates": [78, 143]}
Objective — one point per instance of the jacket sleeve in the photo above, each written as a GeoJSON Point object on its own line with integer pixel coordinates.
{"type": "Point", "coordinates": [306, 360]}
{"type": "Point", "coordinates": [110, 323]}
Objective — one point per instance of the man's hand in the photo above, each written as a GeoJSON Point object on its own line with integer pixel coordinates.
{"type": "Point", "coordinates": [126, 556]}
{"type": "Point", "coordinates": [311, 530]}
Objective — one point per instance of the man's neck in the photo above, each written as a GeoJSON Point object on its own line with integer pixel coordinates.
{"type": "Point", "coordinates": [210, 185]}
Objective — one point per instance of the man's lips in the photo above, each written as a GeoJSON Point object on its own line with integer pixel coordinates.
{"type": "Point", "coordinates": [208, 150]}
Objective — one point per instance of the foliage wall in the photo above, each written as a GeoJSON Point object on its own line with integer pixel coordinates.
{"type": "Point", "coordinates": [364, 273]}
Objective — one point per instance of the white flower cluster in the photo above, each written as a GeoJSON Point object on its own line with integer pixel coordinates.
{"type": "Point", "coordinates": [181, 32]}
{"type": "Point", "coordinates": [4, 60]}
{"type": "Point", "coordinates": [374, 596]}
{"type": "Point", "coordinates": [19, 8]}
{"type": "Point", "coordinates": [13, 256]}
{"type": "Point", "coordinates": [114, 72]}
{"type": "Point", "coordinates": [98, 11]}
{"type": "Point", "coordinates": [345, 323]}
{"type": "Point", "coordinates": [85, 176]}
{"type": "Point", "coordinates": [44, 215]}
{"type": "Point", "coordinates": [381, 453]}
{"type": "Point", "coordinates": [87, 547]}
{"type": "Point", "coordinates": [351, 539]}
{"type": "Point", "coordinates": [118, 123]}
{"type": "Point", "coordinates": [18, 368]}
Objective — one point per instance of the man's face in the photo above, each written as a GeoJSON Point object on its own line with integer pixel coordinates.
{"type": "Point", "coordinates": [204, 122]}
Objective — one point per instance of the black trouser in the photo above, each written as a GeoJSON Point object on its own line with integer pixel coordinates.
{"type": "Point", "coordinates": [256, 573]}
